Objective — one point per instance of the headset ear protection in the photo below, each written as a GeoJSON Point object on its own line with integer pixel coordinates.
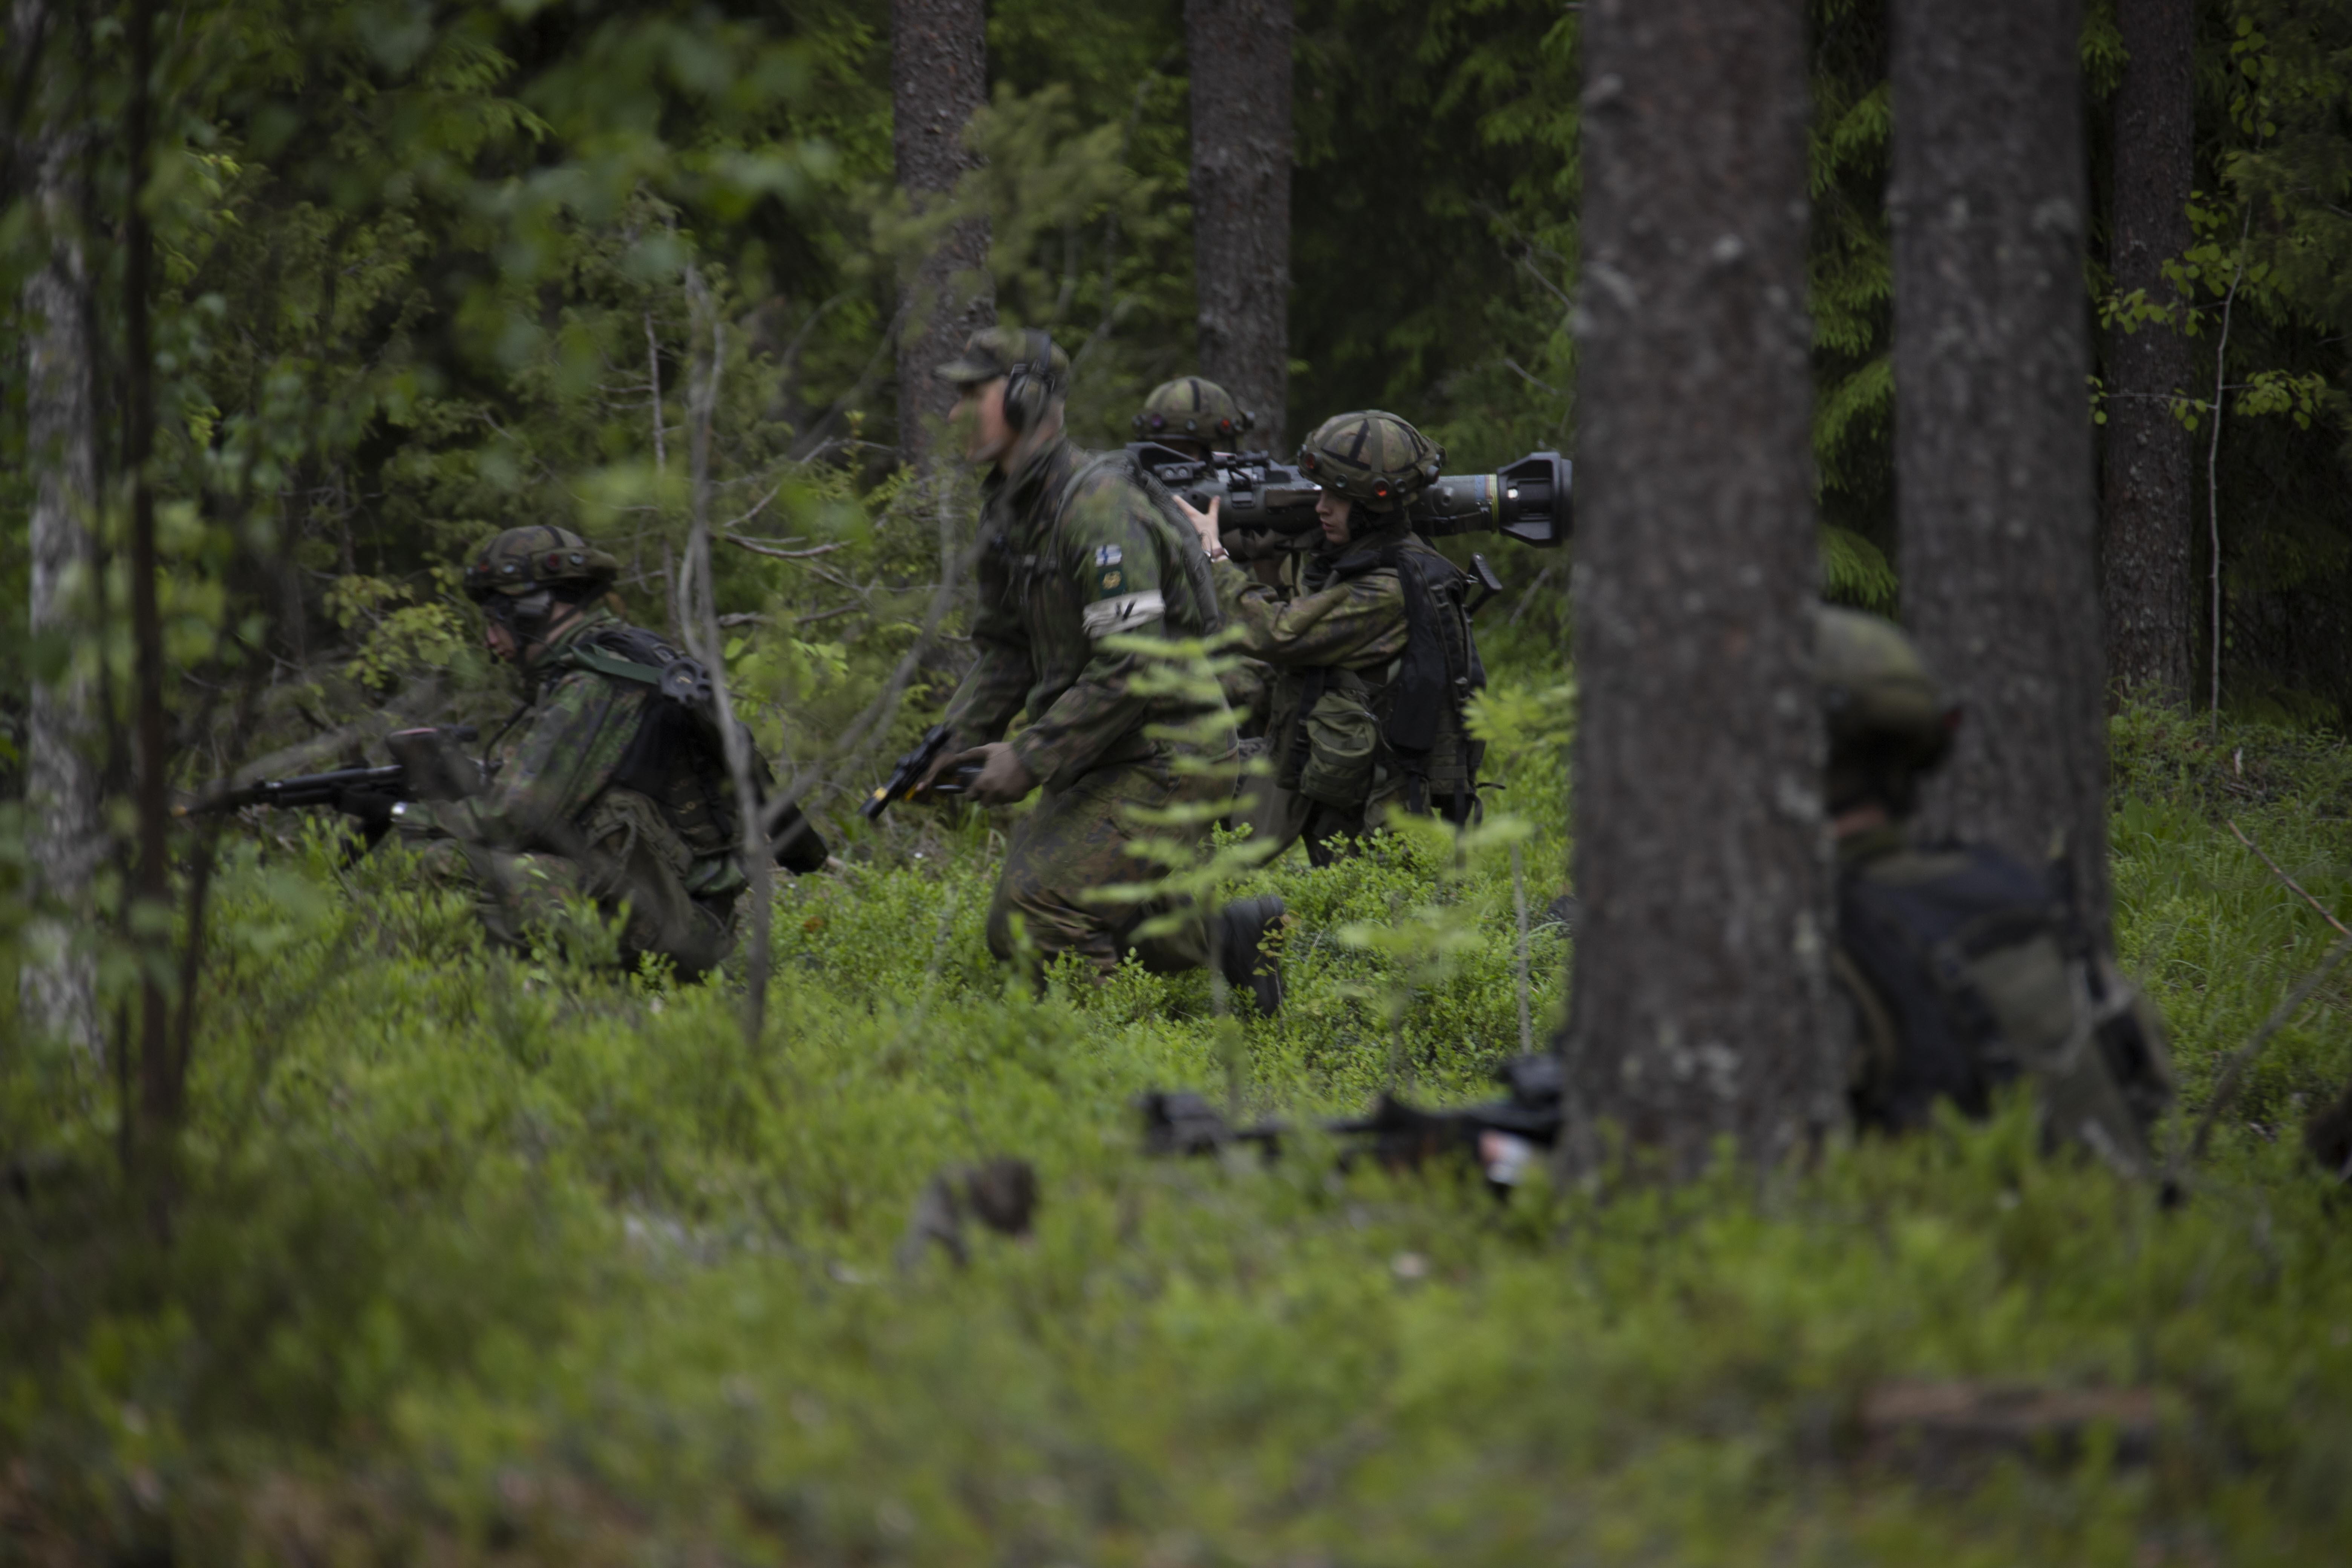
{"type": "Point", "coordinates": [1031, 387]}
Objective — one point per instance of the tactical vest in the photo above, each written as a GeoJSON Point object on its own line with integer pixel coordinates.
{"type": "Point", "coordinates": [1415, 704]}
{"type": "Point", "coordinates": [678, 758]}
{"type": "Point", "coordinates": [1968, 972]}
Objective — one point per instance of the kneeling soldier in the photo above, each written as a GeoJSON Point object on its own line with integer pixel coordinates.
{"type": "Point", "coordinates": [1074, 551]}
{"type": "Point", "coordinates": [1370, 645]}
{"type": "Point", "coordinates": [1962, 969]}
{"type": "Point", "coordinates": [611, 784]}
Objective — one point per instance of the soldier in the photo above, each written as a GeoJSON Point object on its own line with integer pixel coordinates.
{"type": "Point", "coordinates": [1194, 416]}
{"type": "Point", "coordinates": [1371, 647]}
{"type": "Point", "coordinates": [1962, 969]}
{"type": "Point", "coordinates": [616, 790]}
{"type": "Point", "coordinates": [1074, 549]}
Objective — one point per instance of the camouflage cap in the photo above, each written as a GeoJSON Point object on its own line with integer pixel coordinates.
{"type": "Point", "coordinates": [1372, 458]}
{"type": "Point", "coordinates": [1876, 690]}
{"type": "Point", "coordinates": [519, 559]}
{"type": "Point", "coordinates": [999, 351]}
{"type": "Point", "coordinates": [1190, 409]}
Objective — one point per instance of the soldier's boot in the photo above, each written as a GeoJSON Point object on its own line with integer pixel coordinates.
{"type": "Point", "coordinates": [1240, 940]}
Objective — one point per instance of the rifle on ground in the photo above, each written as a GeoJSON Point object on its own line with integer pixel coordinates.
{"type": "Point", "coordinates": [910, 771]}
{"type": "Point", "coordinates": [1501, 1137]}
{"type": "Point", "coordinates": [1269, 506]}
{"type": "Point", "coordinates": [425, 767]}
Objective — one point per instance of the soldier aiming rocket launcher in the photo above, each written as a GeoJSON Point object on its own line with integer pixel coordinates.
{"type": "Point", "coordinates": [1269, 506]}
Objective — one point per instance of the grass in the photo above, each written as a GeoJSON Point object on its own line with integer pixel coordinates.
{"type": "Point", "coordinates": [490, 1259]}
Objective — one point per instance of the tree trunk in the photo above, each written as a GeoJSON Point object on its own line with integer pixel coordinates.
{"type": "Point", "coordinates": [1701, 854]}
{"type": "Point", "coordinates": [162, 1072]}
{"type": "Point", "coordinates": [938, 80]}
{"type": "Point", "coordinates": [1240, 52]}
{"type": "Point", "coordinates": [1992, 428]}
{"type": "Point", "coordinates": [57, 987]}
{"type": "Point", "coordinates": [2150, 488]}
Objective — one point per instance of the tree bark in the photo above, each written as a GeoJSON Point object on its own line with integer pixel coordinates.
{"type": "Point", "coordinates": [938, 80]}
{"type": "Point", "coordinates": [162, 1072]}
{"type": "Point", "coordinates": [1992, 428]}
{"type": "Point", "coordinates": [57, 986]}
{"type": "Point", "coordinates": [1701, 854]}
{"type": "Point", "coordinates": [1240, 53]}
{"type": "Point", "coordinates": [2151, 463]}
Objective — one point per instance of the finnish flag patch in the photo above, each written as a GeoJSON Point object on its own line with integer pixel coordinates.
{"type": "Point", "coordinates": [1107, 555]}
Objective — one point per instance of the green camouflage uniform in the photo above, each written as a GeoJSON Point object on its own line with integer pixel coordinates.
{"type": "Point", "coordinates": [1354, 627]}
{"type": "Point", "coordinates": [1048, 594]}
{"type": "Point", "coordinates": [553, 825]}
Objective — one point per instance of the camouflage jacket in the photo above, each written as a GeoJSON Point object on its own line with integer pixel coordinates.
{"type": "Point", "coordinates": [551, 768]}
{"type": "Point", "coordinates": [1049, 595]}
{"type": "Point", "coordinates": [1357, 624]}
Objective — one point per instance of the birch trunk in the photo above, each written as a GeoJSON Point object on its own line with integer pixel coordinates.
{"type": "Point", "coordinates": [57, 987]}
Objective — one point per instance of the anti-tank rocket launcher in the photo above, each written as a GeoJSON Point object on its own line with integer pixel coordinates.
{"type": "Point", "coordinates": [1269, 506]}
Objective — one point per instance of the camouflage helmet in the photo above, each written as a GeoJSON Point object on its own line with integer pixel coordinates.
{"type": "Point", "coordinates": [522, 560]}
{"type": "Point", "coordinates": [1887, 720]}
{"type": "Point", "coordinates": [1190, 409]}
{"type": "Point", "coordinates": [1373, 459]}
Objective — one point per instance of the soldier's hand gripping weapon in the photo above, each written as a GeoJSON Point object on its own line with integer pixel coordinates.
{"type": "Point", "coordinates": [905, 777]}
{"type": "Point", "coordinates": [1269, 506]}
{"type": "Point", "coordinates": [425, 765]}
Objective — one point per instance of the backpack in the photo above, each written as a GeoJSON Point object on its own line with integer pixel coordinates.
{"type": "Point", "coordinates": [1968, 971]}
{"type": "Point", "coordinates": [1416, 714]}
{"type": "Point", "coordinates": [679, 757]}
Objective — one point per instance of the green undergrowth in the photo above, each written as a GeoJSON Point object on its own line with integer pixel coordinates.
{"type": "Point", "coordinates": [486, 1258]}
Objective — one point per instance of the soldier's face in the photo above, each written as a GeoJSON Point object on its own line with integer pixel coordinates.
{"type": "Point", "coordinates": [978, 421]}
{"type": "Point", "coordinates": [1332, 511]}
{"type": "Point", "coordinates": [499, 638]}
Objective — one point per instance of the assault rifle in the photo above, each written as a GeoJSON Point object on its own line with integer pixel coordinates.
{"type": "Point", "coordinates": [422, 767]}
{"type": "Point", "coordinates": [1269, 506]}
{"type": "Point", "coordinates": [910, 771]}
{"type": "Point", "coordinates": [1501, 1138]}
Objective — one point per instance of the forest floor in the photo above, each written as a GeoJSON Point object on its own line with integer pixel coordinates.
{"type": "Point", "coordinates": [480, 1258]}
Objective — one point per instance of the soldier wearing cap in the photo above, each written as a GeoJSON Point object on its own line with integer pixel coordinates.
{"type": "Point", "coordinates": [1075, 552]}
{"type": "Point", "coordinates": [609, 785]}
{"type": "Point", "coordinates": [1371, 644]}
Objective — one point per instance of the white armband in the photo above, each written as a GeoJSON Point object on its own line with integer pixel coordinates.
{"type": "Point", "coordinates": [1127, 613]}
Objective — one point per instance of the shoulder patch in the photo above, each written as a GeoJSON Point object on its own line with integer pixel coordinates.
{"type": "Point", "coordinates": [1108, 580]}
{"type": "Point", "coordinates": [1107, 555]}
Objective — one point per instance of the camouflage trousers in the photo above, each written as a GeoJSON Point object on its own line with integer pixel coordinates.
{"type": "Point", "coordinates": [1282, 817]}
{"type": "Point", "coordinates": [1077, 841]}
{"type": "Point", "coordinates": [631, 864]}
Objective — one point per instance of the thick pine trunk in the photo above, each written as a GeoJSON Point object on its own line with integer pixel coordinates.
{"type": "Point", "coordinates": [1701, 853]}
{"type": "Point", "coordinates": [2151, 465]}
{"type": "Point", "coordinates": [57, 989]}
{"type": "Point", "coordinates": [938, 80]}
{"type": "Point", "coordinates": [1240, 54]}
{"type": "Point", "coordinates": [1992, 427]}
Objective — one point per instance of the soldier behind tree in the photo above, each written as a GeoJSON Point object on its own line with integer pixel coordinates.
{"type": "Point", "coordinates": [1962, 969]}
{"type": "Point", "coordinates": [1074, 551]}
{"type": "Point", "coordinates": [610, 783]}
{"type": "Point", "coordinates": [1370, 646]}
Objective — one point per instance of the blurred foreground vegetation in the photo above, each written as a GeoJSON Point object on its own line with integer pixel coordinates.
{"type": "Point", "coordinates": [488, 1258]}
